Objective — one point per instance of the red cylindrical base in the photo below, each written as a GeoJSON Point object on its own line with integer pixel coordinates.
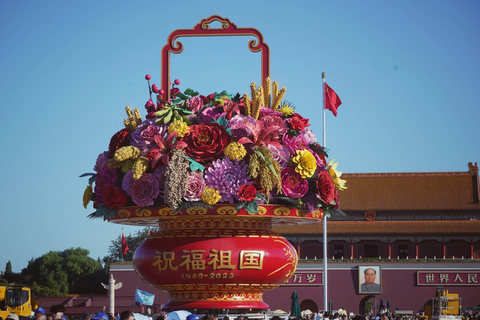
{"type": "Point", "coordinates": [215, 261]}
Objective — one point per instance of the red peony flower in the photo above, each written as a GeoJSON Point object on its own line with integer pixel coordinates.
{"type": "Point", "coordinates": [206, 142]}
{"type": "Point", "coordinates": [325, 187]}
{"type": "Point", "coordinates": [114, 197]}
{"type": "Point", "coordinates": [247, 192]}
{"type": "Point", "coordinates": [174, 91]}
{"type": "Point", "coordinates": [118, 140]}
{"type": "Point", "coordinates": [297, 122]}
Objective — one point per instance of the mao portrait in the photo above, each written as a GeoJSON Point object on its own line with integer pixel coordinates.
{"type": "Point", "coordinates": [369, 279]}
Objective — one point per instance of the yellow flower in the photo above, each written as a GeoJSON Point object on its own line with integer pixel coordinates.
{"type": "Point", "coordinates": [178, 126]}
{"type": "Point", "coordinates": [332, 170]}
{"type": "Point", "coordinates": [306, 163]}
{"type": "Point", "coordinates": [211, 196]}
{"type": "Point", "coordinates": [286, 110]}
{"type": "Point", "coordinates": [235, 150]}
{"type": "Point", "coordinates": [87, 195]}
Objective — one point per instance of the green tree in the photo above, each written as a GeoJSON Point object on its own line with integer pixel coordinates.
{"type": "Point", "coordinates": [8, 268]}
{"type": "Point", "coordinates": [133, 241]}
{"type": "Point", "coordinates": [59, 273]}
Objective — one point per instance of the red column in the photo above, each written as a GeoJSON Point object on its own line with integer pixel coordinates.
{"type": "Point", "coordinates": [416, 249]}
{"type": "Point", "coordinates": [351, 249]}
{"type": "Point", "coordinates": [471, 249]}
{"type": "Point", "coordinates": [298, 248]}
{"type": "Point", "coordinates": [389, 249]}
{"type": "Point", "coordinates": [444, 249]}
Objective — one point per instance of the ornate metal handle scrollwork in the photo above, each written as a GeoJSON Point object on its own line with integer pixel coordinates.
{"type": "Point", "coordinates": [202, 29]}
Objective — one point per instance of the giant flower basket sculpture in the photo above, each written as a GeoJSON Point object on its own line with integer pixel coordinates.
{"type": "Point", "coordinates": [214, 173]}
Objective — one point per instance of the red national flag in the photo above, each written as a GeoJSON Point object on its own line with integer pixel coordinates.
{"type": "Point", "coordinates": [125, 247]}
{"type": "Point", "coordinates": [332, 101]}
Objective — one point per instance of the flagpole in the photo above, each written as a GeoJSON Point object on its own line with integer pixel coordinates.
{"type": "Point", "coordinates": [323, 91]}
{"type": "Point", "coordinates": [325, 282]}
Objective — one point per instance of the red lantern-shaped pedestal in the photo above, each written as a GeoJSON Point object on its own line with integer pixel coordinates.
{"type": "Point", "coordinates": [215, 257]}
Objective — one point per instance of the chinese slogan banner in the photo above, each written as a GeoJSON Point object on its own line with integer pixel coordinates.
{"type": "Point", "coordinates": [448, 278]}
{"type": "Point", "coordinates": [305, 278]}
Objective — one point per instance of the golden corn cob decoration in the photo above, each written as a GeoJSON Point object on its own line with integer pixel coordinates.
{"type": "Point", "coordinates": [125, 153]}
{"type": "Point", "coordinates": [246, 99]}
{"type": "Point", "coordinates": [279, 98]}
{"type": "Point", "coordinates": [267, 93]}
{"type": "Point", "coordinates": [139, 167]}
{"type": "Point", "coordinates": [134, 119]}
{"type": "Point", "coordinates": [253, 90]}
{"type": "Point", "coordinates": [112, 164]}
{"type": "Point", "coordinates": [274, 92]}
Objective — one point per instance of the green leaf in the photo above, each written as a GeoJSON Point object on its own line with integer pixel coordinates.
{"type": "Point", "coordinates": [102, 210]}
{"type": "Point", "coordinates": [87, 174]}
{"type": "Point", "coordinates": [194, 165]}
{"type": "Point", "coordinates": [251, 207]}
{"type": "Point", "coordinates": [167, 117]}
{"type": "Point", "coordinates": [332, 212]}
{"type": "Point", "coordinates": [111, 213]}
{"type": "Point", "coordinates": [239, 206]}
{"type": "Point", "coordinates": [92, 179]}
{"type": "Point", "coordinates": [181, 96]}
{"type": "Point", "coordinates": [191, 92]}
{"type": "Point", "coordinates": [260, 196]}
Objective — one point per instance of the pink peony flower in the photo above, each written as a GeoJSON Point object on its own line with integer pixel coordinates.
{"type": "Point", "coordinates": [280, 154]}
{"type": "Point", "coordinates": [195, 104]}
{"type": "Point", "coordinates": [309, 136]}
{"type": "Point", "coordinates": [144, 190]}
{"type": "Point", "coordinates": [294, 143]}
{"type": "Point", "coordinates": [195, 186]}
{"type": "Point", "coordinates": [293, 185]}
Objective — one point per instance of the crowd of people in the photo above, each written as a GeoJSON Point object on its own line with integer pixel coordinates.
{"type": "Point", "coordinates": [57, 312]}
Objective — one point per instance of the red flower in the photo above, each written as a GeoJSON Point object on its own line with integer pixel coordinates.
{"type": "Point", "coordinates": [118, 140]}
{"type": "Point", "coordinates": [325, 187]}
{"type": "Point", "coordinates": [174, 91]}
{"type": "Point", "coordinates": [297, 122]}
{"type": "Point", "coordinates": [247, 192]}
{"type": "Point", "coordinates": [206, 142]}
{"type": "Point", "coordinates": [114, 197]}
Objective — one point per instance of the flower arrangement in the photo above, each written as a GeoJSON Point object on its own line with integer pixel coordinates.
{"type": "Point", "coordinates": [196, 150]}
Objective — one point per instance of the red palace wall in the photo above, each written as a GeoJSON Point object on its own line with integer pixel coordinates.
{"type": "Point", "coordinates": [399, 285]}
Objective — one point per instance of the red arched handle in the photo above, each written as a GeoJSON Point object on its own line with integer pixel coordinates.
{"type": "Point", "coordinates": [202, 29]}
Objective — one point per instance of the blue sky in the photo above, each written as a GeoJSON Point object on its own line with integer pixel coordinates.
{"type": "Point", "coordinates": [406, 71]}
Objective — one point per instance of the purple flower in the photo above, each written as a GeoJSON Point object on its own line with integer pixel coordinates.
{"type": "Point", "coordinates": [310, 202]}
{"type": "Point", "coordinates": [293, 185]}
{"type": "Point", "coordinates": [195, 186]}
{"type": "Point", "coordinates": [209, 114]}
{"type": "Point", "coordinates": [227, 178]}
{"type": "Point", "coordinates": [144, 190]}
{"type": "Point", "coordinates": [127, 181]}
{"type": "Point", "coordinates": [195, 104]}
{"type": "Point", "coordinates": [102, 161]}
{"type": "Point", "coordinates": [143, 136]}
{"type": "Point", "coordinates": [280, 154]}
{"type": "Point", "coordinates": [106, 177]}
{"type": "Point", "coordinates": [238, 128]}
